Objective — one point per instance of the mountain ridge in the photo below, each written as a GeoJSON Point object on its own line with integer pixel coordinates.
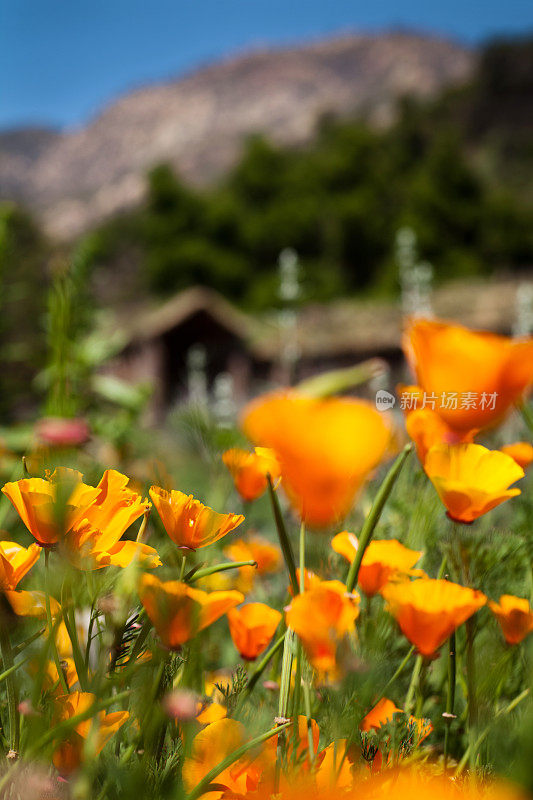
{"type": "Point", "coordinates": [75, 179]}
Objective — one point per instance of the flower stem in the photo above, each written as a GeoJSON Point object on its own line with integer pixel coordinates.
{"type": "Point", "coordinates": [11, 688]}
{"type": "Point", "coordinates": [284, 687]}
{"type": "Point", "coordinates": [375, 513]}
{"type": "Point", "coordinates": [283, 537]}
{"type": "Point", "coordinates": [398, 672]}
{"type": "Point", "coordinates": [142, 528]}
{"type": "Point", "coordinates": [53, 643]}
{"type": "Point", "coordinates": [203, 573]}
{"type": "Point", "coordinates": [415, 677]}
{"type": "Point", "coordinates": [304, 668]}
{"type": "Point", "coordinates": [259, 669]}
{"type": "Point", "coordinates": [450, 697]}
{"type": "Point", "coordinates": [472, 698]}
{"type": "Point", "coordinates": [70, 624]}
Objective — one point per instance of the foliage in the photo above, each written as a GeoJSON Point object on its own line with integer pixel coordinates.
{"type": "Point", "coordinates": [23, 280]}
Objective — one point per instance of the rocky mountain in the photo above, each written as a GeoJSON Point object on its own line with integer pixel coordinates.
{"type": "Point", "coordinates": [75, 179]}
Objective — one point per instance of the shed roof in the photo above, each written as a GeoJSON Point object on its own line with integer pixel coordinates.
{"type": "Point", "coordinates": [348, 326]}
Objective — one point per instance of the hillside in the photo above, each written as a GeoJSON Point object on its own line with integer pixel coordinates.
{"type": "Point", "coordinates": [78, 178]}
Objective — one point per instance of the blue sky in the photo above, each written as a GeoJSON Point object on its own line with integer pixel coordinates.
{"type": "Point", "coordinates": [61, 60]}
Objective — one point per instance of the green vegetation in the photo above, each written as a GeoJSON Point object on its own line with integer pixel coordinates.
{"type": "Point", "coordinates": [457, 169]}
{"type": "Point", "coordinates": [339, 203]}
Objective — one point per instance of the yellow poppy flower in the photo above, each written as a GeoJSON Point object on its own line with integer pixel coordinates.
{"type": "Point", "coordinates": [249, 470]}
{"type": "Point", "coordinates": [321, 617]}
{"type": "Point", "coordinates": [471, 480]}
{"type": "Point", "coordinates": [448, 359]}
{"type": "Point", "coordinates": [428, 611]}
{"type": "Point", "coordinates": [326, 448]}
{"type": "Point", "coordinates": [252, 627]}
{"type": "Point", "coordinates": [383, 559]}
{"type": "Point", "coordinates": [521, 452]}
{"type": "Point", "coordinates": [178, 612]}
{"type": "Point", "coordinates": [188, 522]}
{"type": "Point", "coordinates": [68, 756]}
{"type": "Point", "coordinates": [515, 617]}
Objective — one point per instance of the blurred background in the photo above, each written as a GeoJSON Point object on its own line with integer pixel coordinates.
{"type": "Point", "coordinates": [200, 200]}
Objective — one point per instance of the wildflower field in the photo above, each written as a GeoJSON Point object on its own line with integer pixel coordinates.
{"type": "Point", "coordinates": [340, 609]}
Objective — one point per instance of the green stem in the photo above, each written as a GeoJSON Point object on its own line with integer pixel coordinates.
{"type": "Point", "coordinates": [375, 513]}
{"type": "Point", "coordinates": [142, 528]}
{"type": "Point", "coordinates": [471, 684]}
{"type": "Point", "coordinates": [420, 688]}
{"type": "Point", "coordinates": [286, 668]}
{"type": "Point", "coordinates": [11, 688]}
{"type": "Point", "coordinates": [203, 573]}
{"type": "Point", "coordinates": [182, 568]}
{"type": "Point", "coordinates": [53, 643]}
{"type": "Point", "coordinates": [415, 677]}
{"type": "Point", "coordinates": [339, 380]}
{"type": "Point", "coordinates": [305, 670]}
{"type": "Point", "coordinates": [203, 785]}
{"type": "Point", "coordinates": [284, 540]}
{"type": "Point", "coordinates": [4, 675]}
{"type": "Point", "coordinates": [284, 687]}
{"type": "Point", "coordinates": [260, 668]}
{"type": "Point", "coordinates": [450, 697]}
{"type": "Point", "coordinates": [19, 648]}
{"type": "Point", "coordinates": [70, 624]}
{"type": "Point", "coordinates": [398, 672]}
{"type": "Point", "coordinates": [89, 638]}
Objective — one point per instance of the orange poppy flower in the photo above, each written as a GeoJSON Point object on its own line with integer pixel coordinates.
{"type": "Point", "coordinates": [266, 555]}
{"type": "Point", "coordinates": [31, 604]}
{"type": "Point", "coordinates": [384, 711]}
{"type": "Point", "coordinates": [211, 712]}
{"type": "Point", "coordinates": [422, 782]}
{"type": "Point", "coordinates": [321, 617]}
{"type": "Point", "coordinates": [450, 360]}
{"type": "Point", "coordinates": [15, 562]}
{"type": "Point", "coordinates": [252, 627]}
{"type": "Point", "coordinates": [471, 480]}
{"type": "Point", "coordinates": [522, 452]}
{"type": "Point", "coordinates": [327, 448]}
{"type": "Point", "coordinates": [515, 617]}
{"type": "Point", "coordinates": [211, 746]}
{"type": "Point", "coordinates": [36, 501]}
{"type": "Point", "coordinates": [50, 676]}
{"type": "Point", "coordinates": [428, 611]}
{"type": "Point", "coordinates": [422, 727]}
{"type": "Point", "coordinates": [383, 559]}
{"type": "Point", "coordinates": [311, 581]}
{"type": "Point", "coordinates": [179, 612]}
{"type": "Point", "coordinates": [427, 429]}
{"type": "Point", "coordinates": [94, 542]}
{"type": "Point", "coordinates": [335, 769]}
{"type": "Point", "coordinates": [378, 716]}
{"type": "Point", "coordinates": [249, 470]}
{"type": "Point", "coordinates": [68, 756]}
{"type": "Point", "coordinates": [302, 740]}
{"type": "Point", "coordinates": [188, 522]}
{"type": "Point", "coordinates": [94, 518]}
